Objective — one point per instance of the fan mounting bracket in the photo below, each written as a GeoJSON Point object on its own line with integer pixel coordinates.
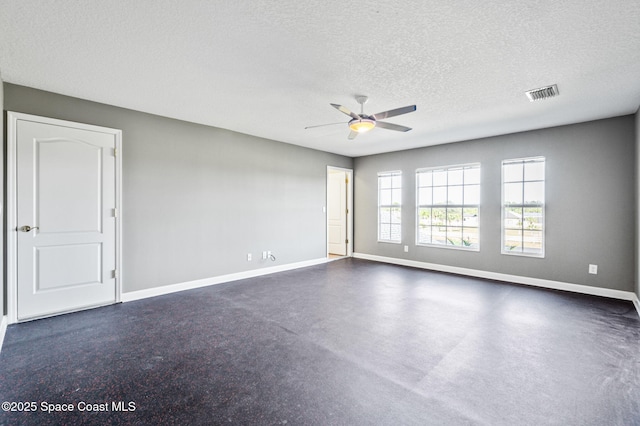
{"type": "Point", "coordinates": [362, 99]}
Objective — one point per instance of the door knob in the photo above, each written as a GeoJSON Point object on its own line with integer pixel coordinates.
{"type": "Point", "coordinates": [28, 228]}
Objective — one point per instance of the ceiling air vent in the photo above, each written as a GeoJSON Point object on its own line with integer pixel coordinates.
{"type": "Point", "coordinates": [542, 93]}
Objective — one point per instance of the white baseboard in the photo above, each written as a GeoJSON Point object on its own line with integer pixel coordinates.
{"type": "Point", "coordinates": [537, 282]}
{"type": "Point", "coordinates": [4, 321]}
{"type": "Point", "coordinates": [172, 288]}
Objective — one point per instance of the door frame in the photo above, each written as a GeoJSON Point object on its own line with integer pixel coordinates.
{"type": "Point", "coordinates": [349, 173]}
{"type": "Point", "coordinates": [12, 192]}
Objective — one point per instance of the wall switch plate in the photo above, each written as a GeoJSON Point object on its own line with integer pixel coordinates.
{"type": "Point", "coordinates": [593, 269]}
{"type": "Point", "coordinates": [406, 249]}
{"type": "Point", "coordinates": [248, 257]}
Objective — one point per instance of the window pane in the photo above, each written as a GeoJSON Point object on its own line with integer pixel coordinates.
{"type": "Point", "coordinates": [385, 232]}
{"type": "Point", "coordinates": [455, 195]}
{"type": "Point", "coordinates": [396, 216]}
{"type": "Point", "coordinates": [385, 181]}
{"type": "Point", "coordinates": [424, 196]}
{"type": "Point", "coordinates": [454, 236]}
{"type": "Point", "coordinates": [455, 177]}
{"type": "Point", "coordinates": [385, 197]}
{"type": "Point", "coordinates": [396, 181]}
{"type": "Point", "coordinates": [532, 241]}
{"type": "Point", "coordinates": [439, 235]}
{"type": "Point", "coordinates": [385, 215]}
{"type": "Point", "coordinates": [424, 217]}
{"type": "Point", "coordinates": [424, 179]}
{"type": "Point", "coordinates": [534, 170]}
{"type": "Point", "coordinates": [439, 216]}
{"type": "Point", "coordinates": [439, 177]}
{"type": "Point", "coordinates": [470, 217]}
{"type": "Point", "coordinates": [472, 194]}
{"type": "Point", "coordinates": [513, 240]}
{"type": "Point", "coordinates": [424, 235]}
{"type": "Point", "coordinates": [395, 232]}
{"type": "Point", "coordinates": [470, 237]}
{"type": "Point", "coordinates": [440, 195]}
{"type": "Point", "coordinates": [513, 193]}
{"type": "Point", "coordinates": [512, 172]}
{"type": "Point", "coordinates": [532, 218]}
{"type": "Point", "coordinates": [472, 175]}
{"type": "Point", "coordinates": [513, 217]}
{"type": "Point", "coordinates": [534, 192]}
{"type": "Point", "coordinates": [396, 197]}
{"type": "Point", "coordinates": [454, 217]}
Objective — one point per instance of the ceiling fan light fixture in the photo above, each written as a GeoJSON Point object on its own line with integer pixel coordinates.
{"type": "Point", "coordinates": [362, 125]}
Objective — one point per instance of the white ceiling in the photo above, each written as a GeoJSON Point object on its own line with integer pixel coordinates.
{"type": "Point", "coordinates": [270, 68]}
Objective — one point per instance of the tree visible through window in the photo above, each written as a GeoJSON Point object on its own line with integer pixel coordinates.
{"type": "Point", "coordinates": [448, 203]}
{"type": "Point", "coordinates": [390, 207]}
{"type": "Point", "coordinates": [523, 198]}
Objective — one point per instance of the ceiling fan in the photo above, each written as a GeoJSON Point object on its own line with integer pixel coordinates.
{"type": "Point", "coordinates": [362, 122]}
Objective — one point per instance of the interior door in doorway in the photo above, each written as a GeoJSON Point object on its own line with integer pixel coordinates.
{"type": "Point", "coordinates": [337, 212]}
{"type": "Point", "coordinates": [65, 217]}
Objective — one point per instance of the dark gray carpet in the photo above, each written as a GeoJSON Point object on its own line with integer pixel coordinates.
{"type": "Point", "coordinates": [346, 343]}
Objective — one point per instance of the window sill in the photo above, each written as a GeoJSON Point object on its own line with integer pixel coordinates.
{"type": "Point", "coordinates": [474, 249]}
{"type": "Point", "coordinates": [534, 255]}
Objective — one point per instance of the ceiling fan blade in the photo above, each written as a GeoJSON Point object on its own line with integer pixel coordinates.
{"type": "Point", "coordinates": [392, 126]}
{"type": "Point", "coordinates": [322, 125]}
{"type": "Point", "coordinates": [353, 134]}
{"type": "Point", "coordinates": [394, 112]}
{"type": "Point", "coordinates": [344, 110]}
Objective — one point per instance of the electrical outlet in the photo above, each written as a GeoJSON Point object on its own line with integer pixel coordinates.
{"type": "Point", "coordinates": [593, 269]}
{"type": "Point", "coordinates": [248, 257]}
{"type": "Point", "coordinates": [264, 255]}
{"type": "Point", "coordinates": [406, 249]}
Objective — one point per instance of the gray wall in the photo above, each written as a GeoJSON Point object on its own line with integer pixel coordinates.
{"type": "Point", "coordinates": [197, 199]}
{"type": "Point", "coordinates": [637, 253]}
{"type": "Point", "coordinates": [3, 309]}
{"type": "Point", "coordinates": [590, 202]}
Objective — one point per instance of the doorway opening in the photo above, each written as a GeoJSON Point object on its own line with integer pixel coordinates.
{"type": "Point", "coordinates": [339, 212]}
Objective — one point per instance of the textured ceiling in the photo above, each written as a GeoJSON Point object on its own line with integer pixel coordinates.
{"type": "Point", "coordinates": [270, 68]}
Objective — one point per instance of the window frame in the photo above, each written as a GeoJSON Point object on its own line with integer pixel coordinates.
{"type": "Point", "coordinates": [462, 206]}
{"type": "Point", "coordinates": [523, 205]}
{"type": "Point", "coordinates": [390, 174]}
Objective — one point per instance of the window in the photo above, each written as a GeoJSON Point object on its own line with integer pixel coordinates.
{"type": "Point", "coordinates": [448, 203]}
{"type": "Point", "coordinates": [389, 207]}
{"type": "Point", "coordinates": [523, 206]}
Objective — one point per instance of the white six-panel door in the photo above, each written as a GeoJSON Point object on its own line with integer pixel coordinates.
{"type": "Point", "coordinates": [337, 212]}
{"type": "Point", "coordinates": [65, 226]}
